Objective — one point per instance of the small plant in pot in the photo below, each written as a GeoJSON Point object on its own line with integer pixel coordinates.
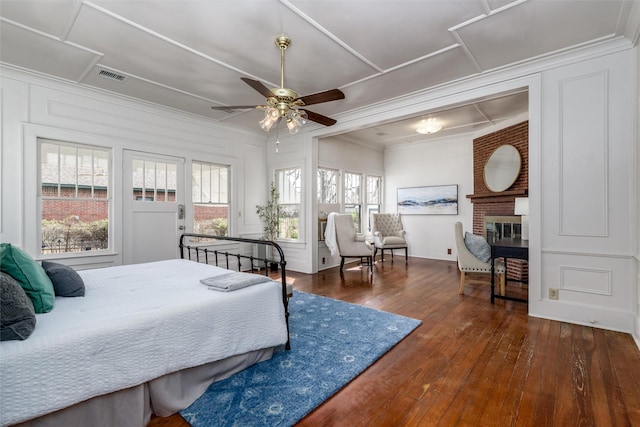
{"type": "Point", "coordinates": [268, 214]}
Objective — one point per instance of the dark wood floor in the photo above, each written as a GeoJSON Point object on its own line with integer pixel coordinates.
{"type": "Point", "coordinates": [471, 363]}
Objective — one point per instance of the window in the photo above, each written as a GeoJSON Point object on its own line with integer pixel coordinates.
{"type": "Point", "coordinates": [154, 181]}
{"type": "Point", "coordinates": [75, 197]}
{"type": "Point", "coordinates": [327, 185]}
{"type": "Point", "coordinates": [210, 197]}
{"type": "Point", "coordinates": [353, 198]}
{"type": "Point", "coordinates": [374, 197]}
{"type": "Point", "coordinates": [288, 183]}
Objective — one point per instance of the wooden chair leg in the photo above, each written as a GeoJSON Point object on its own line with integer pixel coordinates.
{"type": "Point", "coordinates": [461, 289]}
{"type": "Point", "coordinates": [406, 255]}
{"type": "Point", "coordinates": [341, 263]}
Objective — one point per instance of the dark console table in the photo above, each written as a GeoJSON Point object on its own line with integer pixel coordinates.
{"type": "Point", "coordinates": [507, 248]}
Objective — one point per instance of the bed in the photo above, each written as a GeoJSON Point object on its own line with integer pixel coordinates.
{"type": "Point", "coordinates": [145, 339]}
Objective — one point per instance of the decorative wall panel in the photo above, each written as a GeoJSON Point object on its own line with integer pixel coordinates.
{"type": "Point", "coordinates": [584, 154]}
{"type": "Point", "coordinates": [588, 280]}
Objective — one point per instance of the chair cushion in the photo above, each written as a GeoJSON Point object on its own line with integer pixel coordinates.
{"type": "Point", "coordinates": [17, 316]}
{"type": "Point", "coordinates": [478, 246]}
{"type": "Point", "coordinates": [393, 240]}
{"type": "Point", "coordinates": [29, 274]}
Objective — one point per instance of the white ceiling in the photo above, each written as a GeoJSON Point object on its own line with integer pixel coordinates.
{"type": "Point", "coordinates": [190, 54]}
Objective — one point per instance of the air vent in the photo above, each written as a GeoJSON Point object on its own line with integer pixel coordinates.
{"type": "Point", "coordinates": [112, 76]}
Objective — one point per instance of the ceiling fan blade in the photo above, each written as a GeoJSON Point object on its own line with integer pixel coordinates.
{"type": "Point", "coordinates": [319, 118]}
{"type": "Point", "coordinates": [326, 96]}
{"type": "Point", "coordinates": [232, 108]}
{"type": "Point", "coordinates": [265, 91]}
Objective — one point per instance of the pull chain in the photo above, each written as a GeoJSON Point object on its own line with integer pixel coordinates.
{"type": "Point", "coordinates": [277, 137]}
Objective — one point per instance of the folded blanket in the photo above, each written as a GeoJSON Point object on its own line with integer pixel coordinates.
{"type": "Point", "coordinates": [232, 281]}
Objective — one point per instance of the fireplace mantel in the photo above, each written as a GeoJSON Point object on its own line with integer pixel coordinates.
{"type": "Point", "coordinates": [503, 196]}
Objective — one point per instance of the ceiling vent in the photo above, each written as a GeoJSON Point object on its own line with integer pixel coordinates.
{"type": "Point", "coordinates": [112, 76]}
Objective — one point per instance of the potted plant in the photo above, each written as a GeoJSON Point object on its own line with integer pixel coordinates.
{"type": "Point", "coordinates": [268, 214]}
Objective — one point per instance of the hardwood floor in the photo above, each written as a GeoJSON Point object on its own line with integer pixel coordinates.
{"type": "Point", "coordinates": [471, 363]}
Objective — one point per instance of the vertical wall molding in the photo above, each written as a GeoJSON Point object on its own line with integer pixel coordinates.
{"type": "Point", "coordinates": [584, 155]}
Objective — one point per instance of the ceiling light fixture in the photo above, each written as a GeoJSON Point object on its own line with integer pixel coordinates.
{"type": "Point", "coordinates": [428, 126]}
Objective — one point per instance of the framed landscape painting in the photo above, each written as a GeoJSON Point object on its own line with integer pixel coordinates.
{"type": "Point", "coordinates": [432, 200]}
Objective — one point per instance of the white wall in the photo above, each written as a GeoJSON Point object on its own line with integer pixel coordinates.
{"type": "Point", "coordinates": [588, 193]}
{"type": "Point", "coordinates": [35, 107]}
{"type": "Point", "coordinates": [443, 161]}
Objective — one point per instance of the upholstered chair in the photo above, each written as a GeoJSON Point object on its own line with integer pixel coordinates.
{"type": "Point", "coordinates": [351, 244]}
{"type": "Point", "coordinates": [388, 234]}
{"type": "Point", "coordinates": [473, 268]}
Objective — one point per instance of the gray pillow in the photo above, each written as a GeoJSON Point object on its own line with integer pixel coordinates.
{"type": "Point", "coordinates": [66, 281]}
{"type": "Point", "coordinates": [17, 316]}
{"type": "Point", "coordinates": [477, 245]}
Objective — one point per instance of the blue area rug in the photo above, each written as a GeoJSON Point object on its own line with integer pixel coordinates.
{"type": "Point", "coordinates": [331, 343]}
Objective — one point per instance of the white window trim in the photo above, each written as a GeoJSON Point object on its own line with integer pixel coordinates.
{"type": "Point", "coordinates": [301, 217]}
{"type": "Point", "coordinates": [31, 202]}
{"type": "Point", "coordinates": [189, 196]}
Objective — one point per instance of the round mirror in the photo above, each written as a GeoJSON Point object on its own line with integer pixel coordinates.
{"type": "Point", "coordinates": [502, 168]}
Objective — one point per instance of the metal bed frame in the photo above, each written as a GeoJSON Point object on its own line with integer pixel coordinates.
{"type": "Point", "coordinates": [205, 254]}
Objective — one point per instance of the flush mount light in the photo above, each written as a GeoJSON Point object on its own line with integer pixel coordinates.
{"type": "Point", "coordinates": [428, 126]}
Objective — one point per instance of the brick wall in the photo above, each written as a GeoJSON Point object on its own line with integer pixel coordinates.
{"type": "Point", "coordinates": [86, 210]}
{"type": "Point", "coordinates": [483, 147]}
{"type": "Point", "coordinates": [518, 136]}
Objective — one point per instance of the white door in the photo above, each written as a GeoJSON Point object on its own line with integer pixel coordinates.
{"type": "Point", "coordinates": [153, 206]}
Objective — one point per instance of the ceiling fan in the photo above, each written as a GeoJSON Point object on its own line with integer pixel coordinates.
{"type": "Point", "coordinates": [284, 103]}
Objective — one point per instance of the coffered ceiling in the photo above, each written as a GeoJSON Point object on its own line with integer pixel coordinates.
{"type": "Point", "coordinates": [190, 54]}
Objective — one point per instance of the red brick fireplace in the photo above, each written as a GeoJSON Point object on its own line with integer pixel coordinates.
{"type": "Point", "coordinates": [487, 203]}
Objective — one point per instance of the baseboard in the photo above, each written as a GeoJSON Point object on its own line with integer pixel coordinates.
{"type": "Point", "coordinates": [587, 315]}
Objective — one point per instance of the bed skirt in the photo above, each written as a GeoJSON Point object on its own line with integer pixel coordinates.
{"type": "Point", "coordinates": [163, 396]}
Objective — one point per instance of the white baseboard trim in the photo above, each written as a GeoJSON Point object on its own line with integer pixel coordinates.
{"type": "Point", "coordinates": [587, 315]}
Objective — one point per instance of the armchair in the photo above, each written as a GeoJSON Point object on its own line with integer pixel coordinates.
{"type": "Point", "coordinates": [469, 264]}
{"type": "Point", "coordinates": [388, 234]}
{"type": "Point", "coordinates": [351, 244]}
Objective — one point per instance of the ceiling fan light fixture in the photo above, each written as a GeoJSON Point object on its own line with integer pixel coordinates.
{"type": "Point", "coordinates": [270, 117]}
{"type": "Point", "coordinates": [293, 126]}
{"type": "Point", "coordinates": [283, 103]}
{"type": "Point", "coordinates": [295, 120]}
{"type": "Point", "coordinates": [428, 126]}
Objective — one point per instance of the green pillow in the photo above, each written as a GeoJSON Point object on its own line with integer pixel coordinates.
{"type": "Point", "coordinates": [29, 274]}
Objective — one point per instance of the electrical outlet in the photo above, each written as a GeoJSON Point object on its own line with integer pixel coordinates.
{"type": "Point", "coordinates": [553, 293]}
{"type": "Point", "coordinates": [449, 251]}
{"type": "Point", "coordinates": [324, 260]}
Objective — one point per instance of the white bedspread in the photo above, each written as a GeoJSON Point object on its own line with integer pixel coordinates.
{"type": "Point", "coordinates": [136, 323]}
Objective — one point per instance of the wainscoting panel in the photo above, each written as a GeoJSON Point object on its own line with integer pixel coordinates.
{"type": "Point", "coordinates": [593, 290]}
{"type": "Point", "coordinates": [587, 280]}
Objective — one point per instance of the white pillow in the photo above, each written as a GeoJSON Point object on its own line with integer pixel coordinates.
{"type": "Point", "coordinates": [478, 246]}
